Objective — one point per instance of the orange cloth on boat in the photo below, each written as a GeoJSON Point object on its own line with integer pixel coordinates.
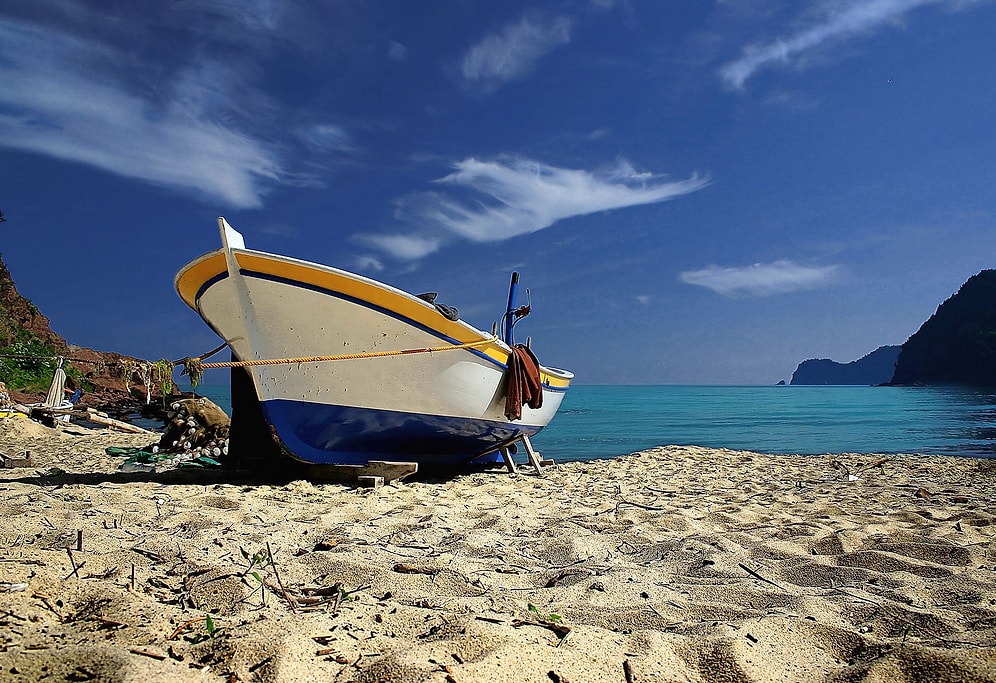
{"type": "Point", "coordinates": [523, 384]}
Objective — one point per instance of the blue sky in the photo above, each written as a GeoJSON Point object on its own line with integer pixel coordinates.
{"type": "Point", "coordinates": [694, 192]}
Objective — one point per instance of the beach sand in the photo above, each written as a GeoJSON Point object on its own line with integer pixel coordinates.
{"type": "Point", "coordinates": [674, 564]}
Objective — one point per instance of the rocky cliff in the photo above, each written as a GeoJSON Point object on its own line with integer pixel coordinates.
{"type": "Point", "coordinates": [957, 345]}
{"type": "Point", "coordinates": [875, 368]}
{"type": "Point", "coordinates": [28, 344]}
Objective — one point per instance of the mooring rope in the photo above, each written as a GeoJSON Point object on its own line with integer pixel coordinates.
{"type": "Point", "coordinates": [23, 356]}
{"type": "Point", "coordinates": [345, 356]}
{"type": "Point", "coordinates": [195, 367]}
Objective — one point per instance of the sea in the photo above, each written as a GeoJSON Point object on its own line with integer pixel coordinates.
{"type": "Point", "coordinates": [608, 421]}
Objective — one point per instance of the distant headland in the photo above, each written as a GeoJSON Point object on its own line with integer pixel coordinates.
{"type": "Point", "coordinates": [875, 368]}
{"type": "Point", "coordinates": [955, 346]}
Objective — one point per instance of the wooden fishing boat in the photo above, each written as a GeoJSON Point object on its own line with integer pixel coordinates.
{"type": "Point", "coordinates": [347, 370]}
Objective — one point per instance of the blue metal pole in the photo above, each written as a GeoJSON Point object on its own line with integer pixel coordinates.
{"type": "Point", "coordinates": [513, 290]}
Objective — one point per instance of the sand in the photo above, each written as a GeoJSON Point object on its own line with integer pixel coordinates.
{"type": "Point", "coordinates": [674, 564]}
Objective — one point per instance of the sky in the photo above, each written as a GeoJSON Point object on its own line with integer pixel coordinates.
{"type": "Point", "coordinates": [693, 192]}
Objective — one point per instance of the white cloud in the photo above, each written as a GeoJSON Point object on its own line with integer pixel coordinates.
{"type": "Point", "coordinates": [256, 16]}
{"type": "Point", "coordinates": [54, 107]}
{"type": "Point", "coordinates": [840, 21]}
{"type": "Point", "coordinates": [367, 263]}
{"type": "Point", "coordinates": [328, 137]}
{"type": "Point", "coordinates": [519, 196]}
{"type": "Point", "coordinates": [407, 247]}
{"type": "Point", "coordinates": [512, 51]}
{"type": "Point", "coordinates": [525, 196]}
{"type": "Point", "coordinates": [761, 279]}
{"type": "Point", "coordinates": [397, 52]}
{"type": "Point", "coordinates": [642, 299]}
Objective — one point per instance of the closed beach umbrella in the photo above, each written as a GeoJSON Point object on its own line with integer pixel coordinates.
{"type": "Point", "coordinates": [57, 389]}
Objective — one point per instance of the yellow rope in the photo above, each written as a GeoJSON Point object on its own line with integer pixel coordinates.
{"type": "Point", "coordinates": [347, 356]}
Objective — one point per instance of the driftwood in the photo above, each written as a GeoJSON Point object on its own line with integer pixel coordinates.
{"type": "Point", "coordinates": [89, 415]}
{"type": "Point", "coordinates": [101, 419]}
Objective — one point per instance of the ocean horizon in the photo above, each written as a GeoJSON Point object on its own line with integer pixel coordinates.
{"type": "Point", "coordinates": [605, 421]}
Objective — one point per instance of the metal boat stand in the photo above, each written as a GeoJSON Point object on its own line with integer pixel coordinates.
{"type": "Point", "coordinates": [535, 459]}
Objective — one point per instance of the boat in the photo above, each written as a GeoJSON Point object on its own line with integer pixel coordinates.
{"type": "Point", "coordinates": [346, 370]}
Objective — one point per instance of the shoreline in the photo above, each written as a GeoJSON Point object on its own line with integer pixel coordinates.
{"type": "Point", "coordinates": [675, 563]}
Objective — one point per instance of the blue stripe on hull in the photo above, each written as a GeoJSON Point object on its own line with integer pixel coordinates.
{"type": "Point", "coordinates": [331, 434]}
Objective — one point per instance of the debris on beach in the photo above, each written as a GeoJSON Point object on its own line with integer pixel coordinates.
{"type": "Point", "coordinates": [196, 428]}
{"type": "Point", "coordinates": [196, 436]}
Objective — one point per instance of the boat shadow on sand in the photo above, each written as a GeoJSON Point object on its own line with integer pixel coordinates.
{"type": "Point", "coordinates": [242, 476]}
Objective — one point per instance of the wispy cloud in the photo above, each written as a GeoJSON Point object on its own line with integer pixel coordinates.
{"type": "Point", "coordinates": [80, 88]}
{"type": "Point", "coordinates": [328, 137]}
{"type": "Point", "coordinates": [367, 263]}
{"type": "Point", "coordinates": [761, 279]}
{"type": "Point", "coordinates": [53, 107]}
{"type": "Point", "coordinates": [406, 247]}
{"type": "Point", "coordinates": [397, 52]}
{"type": "Point", "coordinates": [840, 20]}
{"type": "Point", "coordinates": [513, 50]}
{"type": "Point", "coordinates": [518, 196]}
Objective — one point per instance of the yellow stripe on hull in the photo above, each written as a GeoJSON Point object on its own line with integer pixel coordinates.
{"type": "Point", "coordinates": [211, 267]}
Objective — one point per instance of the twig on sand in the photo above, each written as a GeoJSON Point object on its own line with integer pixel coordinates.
{"type": "Point", "coordinates": [627, 671]}
{"type": "Point", "coordinates": [44, 599]}
{"type": "Point", "coordinates": [154, 556]}
{"type": "Point", "coordinates": [758, 576]}
{"type": "Point", "coordinates": [560, 629]}
{"type": "Point", "coordinates": [639, 505]}
{"type": "Point", "coordinates": [22, 560]}
{"type": "Point", "coordinates": [184, 626]}
{"type": "Point", "coordinates": [856, 597]}
{"type": "Point", "coordinates": [548, 621]}
{"type": "Point", "coordinates": [76, 569]}
{"type": "Point", "coordinates": [877, 463]}
{"type": "Point", "coordinates": [146, 653]}
{"type": "Point", "coordinates": [290, 600]}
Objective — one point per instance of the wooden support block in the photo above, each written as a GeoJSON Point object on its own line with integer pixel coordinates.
{"type": "Point", "coordinates": [370, 481]}
{"type": "Point", "coordinates": [381, 469]}
{"type": "Point", "coordinates": [389, 471]}
{"type": "Point", "coordinates": [14, 463]}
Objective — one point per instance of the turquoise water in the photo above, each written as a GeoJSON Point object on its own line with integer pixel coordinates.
{"type": "Point", "coordinates": [604, 421]}
{"type": "Point", "coordinates": [598, 421]}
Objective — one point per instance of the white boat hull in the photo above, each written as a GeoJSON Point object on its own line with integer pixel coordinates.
{"type": "Point", "coordinates": [443, 406]}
